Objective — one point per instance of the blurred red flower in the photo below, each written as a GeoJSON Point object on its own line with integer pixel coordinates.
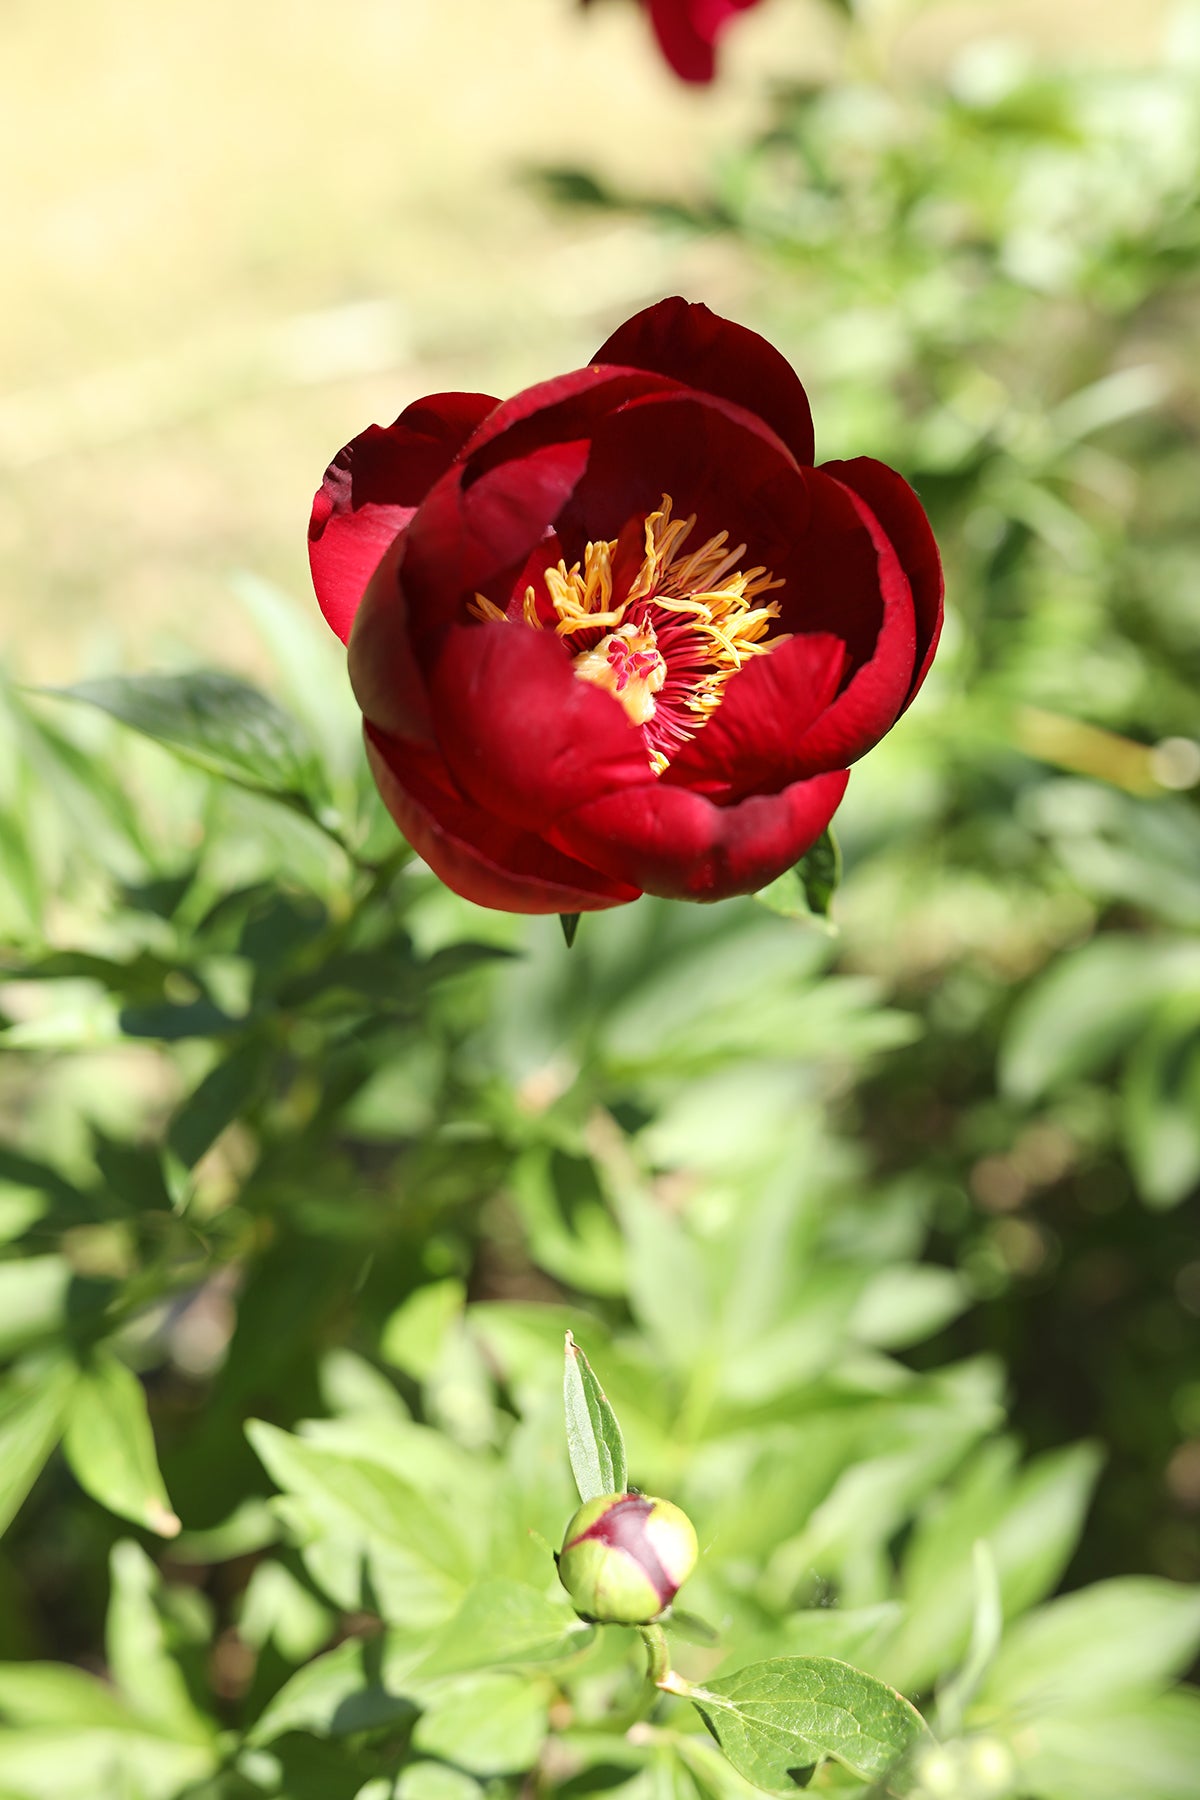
{"type": "Point", "coordinates": [687, 32]}
{"type": "Point", "coordinates": [617, 634]}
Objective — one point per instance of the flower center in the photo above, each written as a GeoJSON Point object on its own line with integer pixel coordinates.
{"type": "Point", "coordinates": [627, 664]}
{"type": "Point", "coordinates": [688, 621]}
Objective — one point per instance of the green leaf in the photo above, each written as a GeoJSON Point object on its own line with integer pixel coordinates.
{"type": "Point", "coordinates": [348, 1505]}
{"type": "Point", "coordinates": [848, 1633]}
{"type": "Point", "coordinates": [33, 1299]}
{"type": "Point", "coordinates": [1030, 1519]}
{"type": "Point", "coordinates": [486, 1724]}
{"type": "Point", "coordinates": [62, 1728]}
{"type": "Point", "coordinates": [110, 1445]}
{"type": "Point", "coordinates": [1086, 1008]}
{"type": "Point", "coordinates": [806, 890]}
{"type": "Point", "coordinates": [413, 1336]}
{"type": "Point", "coordinates": [276, 1608]}
{"type": "Point", "coordinates": [433, 1781]}
{"type": "Point", "coordinates": [594, 1442]}
{"type": "Point", "coordinates": [139, 1654]}
{"type": "Point", "coordinates": [33, 1404]}
{"type": "Point", "coordinates": [775, 1720]}
{"type": "Point", "coordinates": [572, 1234]}
{"type": "Point", "coordinates": [570, 925]}
{"type": "Point", "coordinates": [502, 1622]}
{"type": "Point", "coordinates": [1148, 1749]}
{"type": "Point", "coordinates": [1161, 1113]}
{"type": "Point", "coordinates": [365, 1493]}
{"type": "Point", "coordinates": [220, 723]}
{"type": "Point", "coordinates": [986, 1628]}
{"type": "Point", "coordinates": [225, 1092]}
{"type": "Point", "coordinates": [1097, 1645]}
{"type": "Point", "coordinates": [358, 1686]}
{"type": "Point", "coordinates": [50, 1763]}
{"type": "Point", "coordinates": [907, 1303]}
{"type": "Point", "coordinates": [57, 1694]}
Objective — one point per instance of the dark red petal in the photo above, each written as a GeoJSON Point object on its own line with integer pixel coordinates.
{"type": "Point", "coordinates": [693, 345]}
{"type": "Point", "coordinates": [711, 456]}
{"type": "Point", "coordinates": [477, 855]}
{"type": "Point", "coordinates": [555, 411]}
{"type": "Point", "coordinates": [750, 742]}
{"type": "Point", "coordinates": [384, 674]}
{"type": "Point", "coordinates": [678, 844]}
{"type": "Point", "coordinates": [464, 536]}
{"type": "Point", "coordinates": [687, 31]}
{"type": "Point", "coordinates": [852, 584]}
{"type": "Point", "coordinates": [371, 490]}
{"type": "Point", "coordinates": [524, 738]}
{"type": "Point", "coordinates": [903, 518]}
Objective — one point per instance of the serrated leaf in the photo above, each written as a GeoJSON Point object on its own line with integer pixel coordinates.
{"type": "Point", "coordinates": [218, 722]}
{"type": "Point", "coordinates": [110, 1445]}
{"type": "Point", "coordinates": [776, 1719]}
{"type": "Point", "coordinates": [806, 890]}
{"type": "Point", "coordinates": [594, 1442]}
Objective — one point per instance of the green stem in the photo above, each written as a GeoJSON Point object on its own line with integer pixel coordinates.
{"type": "Point", "coordinates": [658, 1657]}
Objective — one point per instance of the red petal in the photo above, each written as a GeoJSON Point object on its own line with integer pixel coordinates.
{"type": "Point", "coordinates": [371, 490]}
{"type": "Point", "coordinates": [714, 458]}
{"type": "Point", "coordinates": [751, 742]}
{"type": "Point", "coordinates": [475, 854]}
{"type": "Point", "coordinates": [678, 844]}
{"type": "Point", "coordinates": [387, 682]}
{"type": "Point", "coordinates": [903, 518]}
{"type": "Point", "coordinates": [851, 583]}
{"type": "Point", "coordinates": [568, 406]}
{"type": "Point", "coordinates": [525, 739]}
{"type": "Point", "coordinates": [687, 31]}
{"type": "Point", "coordinates": [464, 536]}
{"type": "Point", "coordinates": [693, 345]}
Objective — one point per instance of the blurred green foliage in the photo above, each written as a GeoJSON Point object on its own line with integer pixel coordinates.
{"type": "Point", "coordinates": [306, 1166]}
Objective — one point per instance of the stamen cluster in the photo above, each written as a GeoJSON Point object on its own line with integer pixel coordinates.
{"type": "Point", "coordinates": [686, 624]}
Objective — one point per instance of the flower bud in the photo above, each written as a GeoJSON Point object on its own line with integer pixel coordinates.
{"type": "Point", "coordinates": [625, 1556]}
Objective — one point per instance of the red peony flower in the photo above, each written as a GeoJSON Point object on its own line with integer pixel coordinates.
{"type": "Point", "coordinates": [687, 32]}
{"type": "Point", "coordinates": [617, 634]}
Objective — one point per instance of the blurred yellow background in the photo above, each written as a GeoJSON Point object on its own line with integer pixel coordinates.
{"type": "Point", "coordinates": [237, 233]}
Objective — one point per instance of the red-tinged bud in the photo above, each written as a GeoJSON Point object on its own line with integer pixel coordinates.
{"type": "Point", "coordinates": [624, 1558]}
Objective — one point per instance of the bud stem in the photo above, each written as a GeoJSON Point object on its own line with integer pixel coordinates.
{"type": "Point", "coordinates": [658, 1662]}
{"type": "Point", "coordinates": [658, 1657]}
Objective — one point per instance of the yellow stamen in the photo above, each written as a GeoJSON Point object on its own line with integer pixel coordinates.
{"type": "Point", "coordinates": [486, 609]}
{"type": "Point", "coordinates": [703, 589]}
